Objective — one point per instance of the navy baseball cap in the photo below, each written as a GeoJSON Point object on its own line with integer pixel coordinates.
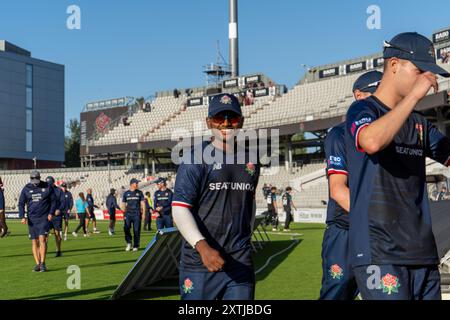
{"type": "Point", "coordinates": [368, 82]}
{"type": "Point", "coordinates": [134, 180]}
{"type": "Point", "coordinates": [224, 102]}
{"type": "Point", "coordinates": [159, 180]}
{"type": "Point", "coordinates": [416, 48]}
{"type": "Point", "coordinates": [50, 180]}
{"type": "Point", "coordinates": [35, 176]}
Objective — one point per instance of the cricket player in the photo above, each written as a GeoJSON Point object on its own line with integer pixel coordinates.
{"type": "Point", "coordinates": [67, 205]}
{"type": "Point", "coordinates": [56, 223]}
{"type": "Point", "coordinates": [133, 207]}
{"type": "Point", "coordinates": [391, 243]}
{"type": "Point", "coordinates": [213, 207]}
{"type": "Point", "coordinates": [91, 207]}
{"type": "Point", "coordinates": [163, 205]}
{"type": "Point", "coordinates": [111, 204]}
{"type": "Point", "coordinates": [338, 282]}
{"type": "Point", "coordinates": [39, 198]}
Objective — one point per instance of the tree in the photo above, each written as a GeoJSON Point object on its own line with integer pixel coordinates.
{"type": "Point", "coordinates": [72, 144]}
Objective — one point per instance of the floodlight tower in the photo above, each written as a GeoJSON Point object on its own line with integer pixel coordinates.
{"type": "Point", "coordinates": [233, 38]}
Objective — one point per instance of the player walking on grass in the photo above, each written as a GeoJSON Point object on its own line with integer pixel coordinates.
{"type": "Point", "coordinates": [91, 207]}
{"type": "Point", "coordinates": [288, 204]}
{"type": "Point", "coordinates": [67, 205]}
{"type": "Point", "coordinates": [272, 207]}
{"type": "Point", "coordinates": [111, 204]}
{"type": "Point", "coordinates": [338, 281]}
{"type": "Point", "coordinates": [56, 223]}
{"type": "Point", "coordinates": [39, 199]}
{"type": "Point", "coordinates": [213, 207]}
{"type": "Point", "coordinates": [392, 247]}
{"type": "Point", "coordinates": [82, 214]}
{"type": "Point", "coordinates": [133, 207]}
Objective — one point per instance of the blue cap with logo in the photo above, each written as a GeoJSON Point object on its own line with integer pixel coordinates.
{"type": "Point", "coordinates": [134, 180]}
{"type": "Point", "coordinates": [416, 48]}
{"type": "Point", "coordinates": [368, 82]}
{"type": "Point", "coordinates": [159, 180]}
{"type": "Point", "coordinates": [224, 102]}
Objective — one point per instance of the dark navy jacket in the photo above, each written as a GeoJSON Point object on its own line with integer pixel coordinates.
{"type": "Point", "coordinates": [111, 204]}
{"type": "Point", "coordinates": [66, 201]}
{"type": "Point", "coordinates": [40, 201]}
{"type": "Point", "coordinates": [163, 199]}
{"type": "Point", "coordinates": [390, 220]}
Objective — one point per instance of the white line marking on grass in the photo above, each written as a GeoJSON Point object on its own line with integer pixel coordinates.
{"type": "Point", "coordinates": [285, 234]}
{"type": "Point", "coordinates": [294, 242]}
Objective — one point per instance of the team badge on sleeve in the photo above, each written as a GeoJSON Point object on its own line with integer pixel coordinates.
{"type": "Point", "coordinates": [336, 272]}
{"type": "Point", "coordinates": [250, 168]}
{"type": "Point", "coordinates": [390, 284]}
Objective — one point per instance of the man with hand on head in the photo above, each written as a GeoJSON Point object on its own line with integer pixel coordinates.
{"type": "Point", "coordinates": [387, 143]}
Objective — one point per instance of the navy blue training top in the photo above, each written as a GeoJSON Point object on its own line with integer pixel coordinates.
{"type": "Point", "coordinates": [90, 202]}
{"type": "Point", "coordinates": [390, 219]}
{"type": "Point", "coordinates": [220, 196]}
{"type": "Point", "coordinates": [133, 202]}
{"type": "Point", "coordinates": [40, 201]}
{"type": "Point", "coordinates": [163, 199]}
{"type": "Point", "coordinates": [67, 201]}
{"type": "Point", "coordinates": [336, 164]}
{"type": "Point", "coordinates": [111, 204]}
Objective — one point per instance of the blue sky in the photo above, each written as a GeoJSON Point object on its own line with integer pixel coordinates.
{"type": "Point", "coordinates": [138, 47]}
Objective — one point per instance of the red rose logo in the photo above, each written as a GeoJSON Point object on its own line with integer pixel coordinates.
{"type": "Point", "coordinates": [250, 168]}
{"type": "Point", "coordinates": [188, 286]}
{"type": "Point", "coordinates": [389, 284]}
{"type": "Point", "coordinates": [390, 280]}
{"type": "Point", "coordinates": [102, 122]}
{"type": "Point", "coordinates": [336, 271]}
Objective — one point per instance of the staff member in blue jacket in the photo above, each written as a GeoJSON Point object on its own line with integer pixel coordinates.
{"type": "Point", "coordinates": [39, 198]}
{"type": "Point", "coordinates": [111, 204]}
{"type": "Point", "coordinates": [163, 205]}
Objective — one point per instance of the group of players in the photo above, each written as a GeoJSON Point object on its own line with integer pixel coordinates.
{"type": "Point", "coordinates": [271, 215]}
{"type": "Point", "coordinates": [378, 241]}
{"type": "Point", "coordinates": [44, 206]}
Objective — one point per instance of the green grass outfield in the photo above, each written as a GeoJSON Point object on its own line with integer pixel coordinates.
{"type": "Point", "coordinates": [294, 274]}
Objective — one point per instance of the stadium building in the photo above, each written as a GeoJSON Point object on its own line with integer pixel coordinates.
{"type": "Point", "coordinates": [31, 110]}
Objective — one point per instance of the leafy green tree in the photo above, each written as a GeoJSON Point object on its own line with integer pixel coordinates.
{"type": "Point", "coordinates": [72, 144]}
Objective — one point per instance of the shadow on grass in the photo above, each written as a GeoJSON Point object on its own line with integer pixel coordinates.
{"type": "Point", "coordinates": [73, 294]}
{"type": "Point", "coordinates": [94, 265]}
{"type": "Point", "coordinates": [69, 251]}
